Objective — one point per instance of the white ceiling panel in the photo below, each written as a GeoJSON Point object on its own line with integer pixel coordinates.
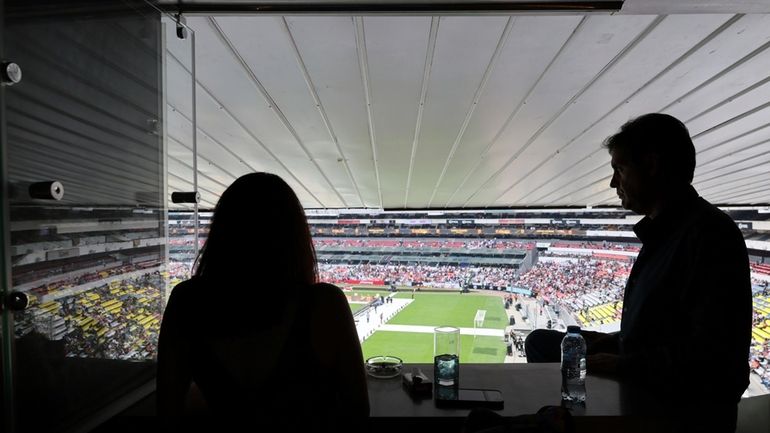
{"type": "Point", "coordinates": [464, 49]}
{"type": "Point", "coordinates": [266, 46]}
{"type": "Point", "coordinates": [668, 38]}
{"type": "Point", "coordinates": [717, 136]}
{"type": "Point", "coordinates": [592, 50]}
{"type": "Point", "coordinates": [743, 78]}
{"type": "Point", "coordinates": [328, 47]}
{"type": "Point", "coordinates": [397, 49]}
{"type": "Point", "coordinates": [234, 88]}
{"type": "Point", "coordinates": [749, 143]}
{"type": "Point", "coordinates": [737, 108]}
{"type": "Point", "coordinates": [728, 48]}
{"type": "Point", "coordinates": [466, 111]}
{"type": "Point", "coordinates": [234, 110]}
{"type": "Point", "coordinates": [532, 44]}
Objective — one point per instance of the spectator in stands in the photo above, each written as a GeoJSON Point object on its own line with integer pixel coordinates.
{"type": "Point", "coordinates": [688, 291]}
{"type": "Point", "coordinates": [286, 351]}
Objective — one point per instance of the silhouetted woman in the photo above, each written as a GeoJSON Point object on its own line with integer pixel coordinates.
{"type": "Point", "coordinates": [253, 330]}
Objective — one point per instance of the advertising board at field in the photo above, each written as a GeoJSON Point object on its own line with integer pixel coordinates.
{"type": "Point", "coordinates": [511, 221]}
{"type": "Point", "coordinates": [420, 222]}
{"type": "Point", "coordinates": [520, 290]}
{"type": "Point", "coordinates": [610, 234]}
{"type": "Point", "coordinates": [460, 221]}
{"type": "Point", "coordinates": [420, 231]}
{"type": "Point", "coordinates": [369, 282]}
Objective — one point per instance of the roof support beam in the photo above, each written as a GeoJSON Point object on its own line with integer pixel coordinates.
{"type": "Point", "coordinates": [396, 7]}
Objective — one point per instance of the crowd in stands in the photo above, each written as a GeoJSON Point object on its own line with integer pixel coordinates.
{"type": "Point", "coordinates": [759, 357]}
{"type": "Point", "coordinates": [569, 281]}
{"type": "Point", "coordinates": [33, 275]}
{"type": "Point", "coordinates": [761, 268]}
{"type": "Point", "coordinates": [120, 320]}
{"type": "Point", "coordinates": [188, 241]}
{"type": "Point", "coordinates": [77, 280]}
{"type": "Point", "coordinates": [577, 284]}
{"type": "Point", "coordinates": [467, 244]}
{"type": "Point", "coordinates": [418, 275]}
{"type": "Point", "coordinates": [178, 270]}
{"type": "Point", "coordinates": [604, 245]}
{"type": "Point", "coordinates": [423, 243]}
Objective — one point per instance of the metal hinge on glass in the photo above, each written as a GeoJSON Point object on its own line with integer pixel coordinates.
{"type": "Point", "coordinates": [181, 26]}
{"type": "Point", "coordinates": [153, 127]}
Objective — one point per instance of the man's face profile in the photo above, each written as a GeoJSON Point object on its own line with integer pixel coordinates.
{"type": "Point", "coordinates": [631, 183]}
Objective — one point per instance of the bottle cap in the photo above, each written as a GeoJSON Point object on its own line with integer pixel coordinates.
{"type": "Point", "coordinates": [573, 329]}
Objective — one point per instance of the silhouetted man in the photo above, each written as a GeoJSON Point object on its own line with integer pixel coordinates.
{"type": "Point", "coordinates": [686, 323]}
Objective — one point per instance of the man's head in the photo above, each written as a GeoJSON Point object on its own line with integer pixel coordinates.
{"type": "Point", "coordinates": [651, 155]}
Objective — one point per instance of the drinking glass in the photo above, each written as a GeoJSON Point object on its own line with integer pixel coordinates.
{"type": "Point", "coordinates": [446, 355]}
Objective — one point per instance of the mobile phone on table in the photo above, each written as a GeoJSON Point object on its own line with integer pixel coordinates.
{"type": "Point", "coordinates": [468, 398]}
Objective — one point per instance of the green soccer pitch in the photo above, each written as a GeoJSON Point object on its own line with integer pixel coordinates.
{"type": "Point", "coordinates": [437, 309]}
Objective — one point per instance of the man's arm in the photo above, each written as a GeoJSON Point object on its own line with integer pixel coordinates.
{"type": "Point", "coordinates": [603, 363]}
{"type": "Point", "coordinates": [602, 353]}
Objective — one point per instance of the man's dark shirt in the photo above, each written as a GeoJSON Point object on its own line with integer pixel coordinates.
{"type": "Point", "coordinates": [686, 323]}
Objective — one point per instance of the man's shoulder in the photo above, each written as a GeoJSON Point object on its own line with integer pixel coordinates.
{"type": "Point", "coordinates": [707, 215]}
{"type": "Point", "coordinates": [711, 225]}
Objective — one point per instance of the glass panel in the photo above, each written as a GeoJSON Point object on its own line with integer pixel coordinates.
{"type": "Point", "coordinates": [88, 115]}
{"type": "Point", "coordinates": [180, 144]}
{"type": "Point", "coordinates": [6, 318]}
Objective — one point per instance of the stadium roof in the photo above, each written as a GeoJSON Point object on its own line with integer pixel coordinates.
{"type": "Point", "coordinates": [466, 109]}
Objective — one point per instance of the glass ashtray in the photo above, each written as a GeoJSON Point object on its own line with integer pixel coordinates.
{"type": "Point", "coordinates": [384, 366]}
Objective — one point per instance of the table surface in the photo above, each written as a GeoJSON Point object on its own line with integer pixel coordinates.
{"type": "Point", "coordinates": [525, 388]}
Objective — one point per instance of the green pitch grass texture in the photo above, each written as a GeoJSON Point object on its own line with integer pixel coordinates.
{"type": "Point", "coordinates": [356, 307]}
{"type": "Point", "coordinates": [414, 347]}
{"type": "Point", "coordinates": [437, 309]}
{"type": "Point", "coordinates": [452, 309]}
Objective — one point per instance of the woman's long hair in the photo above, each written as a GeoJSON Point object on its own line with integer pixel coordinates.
{"type": "Point", "coordinates": [259, 232]}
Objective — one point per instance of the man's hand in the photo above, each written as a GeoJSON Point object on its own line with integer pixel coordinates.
{"type": "Point", "coordinates": [602, 363]}
{"type": "Point", "coordinates": [607, 343]}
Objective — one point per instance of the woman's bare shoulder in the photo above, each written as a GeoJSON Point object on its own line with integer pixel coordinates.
{"type": "Point", "coordinates": [186, 291]}
{"type": "Point", "coordinates": [329, 295]}
{"type": "Point", "coordinates": [328, 288]}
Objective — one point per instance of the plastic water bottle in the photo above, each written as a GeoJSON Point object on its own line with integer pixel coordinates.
{"type": "Point", "coordinates": [573, 366]}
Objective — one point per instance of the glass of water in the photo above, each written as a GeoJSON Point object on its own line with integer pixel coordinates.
{"type": "Point", "coordinates": [446, 355]}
